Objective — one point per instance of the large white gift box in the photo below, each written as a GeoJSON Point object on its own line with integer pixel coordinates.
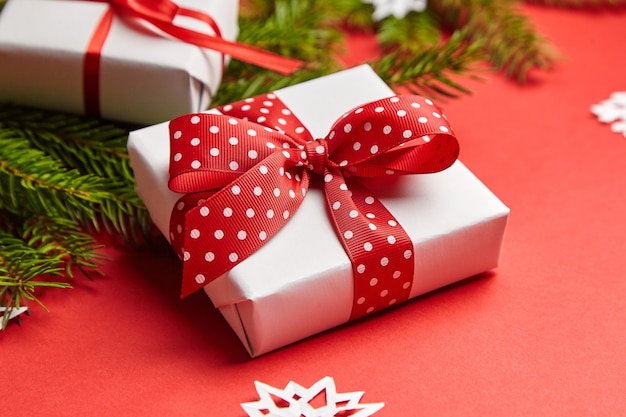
{"type": "Point", "coordinates": [301, 282]}
{"type": "Point", "coordinates": [145, 77]}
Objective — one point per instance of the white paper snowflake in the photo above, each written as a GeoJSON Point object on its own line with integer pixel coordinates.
{"type": "Point", "coordinates": [296, 401]}
{"type": "Point", "coordinates": [13, 313]}
{"type": "Point", "coordinates": [613, 111]}
{"type": "Point", "coordinates": [397, 8]}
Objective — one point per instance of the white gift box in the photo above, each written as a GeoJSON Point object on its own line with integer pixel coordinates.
{"type": "Point", "coordinates": [284, 292]}
{"type": "Point", "coordinates": [145, 77]}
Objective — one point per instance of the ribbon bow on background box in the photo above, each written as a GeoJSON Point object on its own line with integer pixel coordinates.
{"type": "Point", "coordinates": [161, 14]}
{"type": "Point", "coordinates": [243, 181]}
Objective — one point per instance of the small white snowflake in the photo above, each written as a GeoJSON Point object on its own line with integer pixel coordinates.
{"type": "Point", "coordinates": [13, 312]}
{"type": "Point", "coordinates": [613, 111]}
{"type": "Point", "coordinates": [295, 401]}
{"type": "Point", "coordinates": [397, 8]}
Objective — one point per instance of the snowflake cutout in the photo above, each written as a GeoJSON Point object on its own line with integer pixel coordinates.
{"type": "Point", "coordinates": [613, 111]}
{"type": "Point", "coordinates": [397, 8]}
{"type": "Point", "coordinates": [296, 401]}
{"type": "Point", "coordinates": [13, 312]}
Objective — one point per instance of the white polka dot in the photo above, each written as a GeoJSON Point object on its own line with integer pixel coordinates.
{"type": "Point", "coordinates": [437, 115]}
{"type": "Point", "coordinates": [370, 215]}
{"type": "Point", "coordinates": [195, 120]}
{"type": "Point", "coordinates": [178, 134]}
{"type": "Point", "coordinates": [374, 149]}
{"type": "Point", "coordinates": [270, 145]}
{"type": "Point", "coordinates": [261, 119]}
{"type": "Point", "coordinates": [204, 211]}
{"type": "Point", "coordinates": [390, 172]}
{"type": "Point", "coordinates": [180, 205]}
{"type": "Point", "coordinates": [234, 165]}
{"type": "Point", "coordinates": [397, 274]}
{"type": "Point", "coordinates": [392, 223]}
{"type": "Point", "coordinates": [200, 279]}
{"type": "Point", "coordinates": [245, 107]}
{"type": "Point", "coordinates": [360, 268]}
{"type": "Point", "coordinates": [384, 293]}
{"type": "Point", "coordinates": [233, 121]}
{"type": "Point", "coordinates": [299, 129]}
{"type": "Point", "coordinates": [178, 157]}
{"type": "Point", "coordinates": [369, 200]}
{"type": "Point", "coordinates": [251, 132]}
{"type": "Point", "coordinates": [343, 187]}
{"type": "Point", "coordinates": [408, 253]}
{"type": "Point", "coordinates": [387, 130]}
{"type": "Point", "coordinates": [196, 164]}
{"type": "Point", "coordinates": [373, 282]}
{"type": "Point", "coordinates": [271, 96]}
{"type": "Point", "coordinates": [367, 126]}
{"type": "Point", "coordinates": [331, 135]}
{"type": "Point", "coordinates": [286, 112]}
{"type": "Point", "coordinates": [286, 214]}
{"type": "Point", "coordinates": [250, 213]}
{"type": "Point", "coordinates": [263, 169]}
{"type": "Point", "coordinates": [286, 154]}
{"type": "Point", "coordinates": [347, 128]}
{"type": "Point", "coordinates": [406, 285]}
{"type": "Point", "coordinates": [428, 102]}
{"type": "Point", "coordinates": [394, 99]}
{"type": "Point", "coordinates": [367, 246]}
{"type": "Point", "coordinates": [228, 107]}
{"type": "Point", "coordinates": [276, 192]}
{"type": "Point", "coordinates": [372, 226]}
{"type": "Point", "coordinates": [391, 239]}
{"type": "Point", "coordinates": [186, 256]}
{"type": "Point", "coordinates": [214, 129]}
{"type": "Point", "coordinates": [262, 235]}
{"type": "Point", "coordinates": [233, 141]}
{"type": "Point", "coordinates": [422, 119]}
{"type": "Point", "coordinates": [379, 109]}
{"type": "Point", "coordinates": [282, 121]}
{"type": "Point", "coordinates": [369, 310]}
{"type": "Point", "coordinates": [235, 189]}
{"type": "Point", "coordinates": [214, 151]}
{"type": "Point", "coordinates": [348, 234]}
{"type": "Point", "coordinates": [384, 261]}
{"type": "Point", "coordinates": [233, 257]}
{"type": "Point", "coordinates": [281, 171]}
{"type": "Point", "coordinates": [241, 235]}
{"type": "Point", "coordinates": [356, 146]}
{"type": "Point", "coordinates": [292, 194]}
{"type": "Point", "coordinates": [319, 150]}
{"type": "Point", "coordinates": [443, 129]}
{"type": "Point", "coordinates": [359, 110]}
{"type": "Point", "coordinates": [270, 214]}
{"type": "Point", "coordinates": [415, 105]}
{"type": "Point", "coordinates": [219, 234]}
{"type": "Point", "coordinates": [252, 154]}
{"type": "Point", "coordinates": [401, 113]}
{"type": "Point", "coordinates": [392, 301]}
{"type": "Point", "coordinates": [336, 205]}
{"type": "Point", "coordinates": [353, 214]}
{"type": "Point", "coordinates": [179, 228]}
{"type": "Point", "coordinates": [264, 110]}
{"type": "Point", "coordinates": [328, 178]}
{"type": "Point", "coordinates": [228, 212]}
{"type": "Point", "coordinates": [343, 163]}
{"type": "Point", "coordinates": [407, 134]}
{"type": "Point", "coordinates": [209, 256]}
{"type": "Point", "coordinates": [361, 300]}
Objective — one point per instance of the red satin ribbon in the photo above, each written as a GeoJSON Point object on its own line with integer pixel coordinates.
{"type": "Point", "coordinates": [246, 172]}
{"type": "Point", "coordinates": [161, 14]}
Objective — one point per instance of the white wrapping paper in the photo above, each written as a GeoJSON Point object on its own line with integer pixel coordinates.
{"type": "Point", "coordinates": [145, 78]}
{"type": "Point", "coordinates": [300, 282]}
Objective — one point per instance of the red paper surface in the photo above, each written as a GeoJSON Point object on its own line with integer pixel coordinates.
{"type": "Point", "coordinates": [544, 334]}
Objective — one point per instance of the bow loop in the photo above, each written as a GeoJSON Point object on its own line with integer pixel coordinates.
{"type": "Point", "coordinates": [163, 11]}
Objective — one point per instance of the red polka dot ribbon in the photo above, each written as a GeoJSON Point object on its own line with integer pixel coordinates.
{"type": "Point", "coordinates": [161, 14]}
{"type": "Point", "coordinates": [246, 172]}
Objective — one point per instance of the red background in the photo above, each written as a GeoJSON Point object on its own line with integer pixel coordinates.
{"type": "Point", "coordinates": [544, 334]}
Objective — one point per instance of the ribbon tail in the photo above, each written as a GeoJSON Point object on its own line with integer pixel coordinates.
{"type": "Point", "coordinates": [239, 51]}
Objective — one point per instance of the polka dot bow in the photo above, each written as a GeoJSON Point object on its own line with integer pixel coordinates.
{"type": "Point", "coordinates": [243, 180]}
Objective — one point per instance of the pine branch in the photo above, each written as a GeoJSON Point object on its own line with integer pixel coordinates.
{"type": "Point", "coordinates": [512, 43]}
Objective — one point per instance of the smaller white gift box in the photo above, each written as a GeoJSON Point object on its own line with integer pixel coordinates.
{"type": "Point", "coordinates": [145, 77]}
{"type": "Point", "coordinates": [301, 281]}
